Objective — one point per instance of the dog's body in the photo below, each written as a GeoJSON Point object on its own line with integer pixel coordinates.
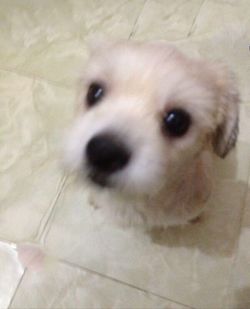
{"type": "Point", "coordinates": [151, 120]}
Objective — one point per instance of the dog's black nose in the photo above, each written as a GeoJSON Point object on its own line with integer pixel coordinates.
{"type": "Point", "coordinates": [106, 154]}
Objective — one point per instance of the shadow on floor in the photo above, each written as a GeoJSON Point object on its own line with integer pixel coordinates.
{"type": "Point", "coordinates": [242, 298]}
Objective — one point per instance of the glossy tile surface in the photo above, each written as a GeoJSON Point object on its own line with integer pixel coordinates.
{"type": "Point", "coordinates": [11, 272]}
{"type": "Point", "coordinates": [239, 288]}
{"type": "Point", "coordinates": [30, 174]}
{"type": "Point", "coordinates": [59, 285]}
{"type": "Point", "coordinates": [85, 261]}
{"type": "Point", "coordinates": [167, 20]}
{"type": "Point", "coordinates": [225, 15]}
{"type": "Point", "coordinates": [49, 39]}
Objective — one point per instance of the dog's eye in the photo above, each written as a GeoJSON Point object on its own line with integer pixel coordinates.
{"type": "Point", "coordinates": [176, 122]}
{"type": "Point", "coordinates": [95, 93]}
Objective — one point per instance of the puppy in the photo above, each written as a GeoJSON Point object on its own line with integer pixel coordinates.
{"type": "Point", "coordinates": [150, 120]}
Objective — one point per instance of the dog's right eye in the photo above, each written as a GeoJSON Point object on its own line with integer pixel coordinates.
{"type": "Point", "coordinates": [95, 93]}
{"type": "Point", "coordinates": [176, 122]}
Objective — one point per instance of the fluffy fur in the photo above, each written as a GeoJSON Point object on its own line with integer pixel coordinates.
{"type": "Point", "coordinates": [168, 180]}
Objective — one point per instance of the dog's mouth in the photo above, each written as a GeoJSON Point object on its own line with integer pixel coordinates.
{"type": "Point", "coordinates": [101, 180]}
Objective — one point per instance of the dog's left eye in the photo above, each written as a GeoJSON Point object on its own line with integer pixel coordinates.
{"type": "Point", "coordinates": [176, 122]}
{"type": "Point", "coordinates": [95, 93]}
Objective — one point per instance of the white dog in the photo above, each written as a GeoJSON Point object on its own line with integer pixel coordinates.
{"type": "Point", "coordinates": [150, 120]}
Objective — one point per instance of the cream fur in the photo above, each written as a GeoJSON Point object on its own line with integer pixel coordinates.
{"type": "Point", "coordinates": [168, 180]}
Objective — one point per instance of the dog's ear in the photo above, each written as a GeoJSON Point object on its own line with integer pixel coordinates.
{"type": "Point", "coordinates": [226, 132]}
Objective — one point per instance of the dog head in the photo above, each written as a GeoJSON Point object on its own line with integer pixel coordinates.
{"type": "Point", "coordinates": [146, 112]}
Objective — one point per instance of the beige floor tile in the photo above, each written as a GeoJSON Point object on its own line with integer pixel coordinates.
{"type": "Point", "coordinates": [57, 285]}
{"type": "Point", "coordinates": [48, 38]}
{"type": "Point", "coordinates": [167, 20]}
{"type": "Point", "coordinates": [215, 16]}
{"type": "Point", "coordinates": [11, 272]}
{"type": "Point", "coordinates": [244, 134]}
{"type": "Point", "coordinates": [239, 290]}
{"type": "Point", "coordinates": [180, 263]}
{"type": "Point", "coordinates": [32, 116]}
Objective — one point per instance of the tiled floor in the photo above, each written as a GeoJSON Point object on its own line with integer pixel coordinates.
{"type": "Point", "coordinates": [55, 250]}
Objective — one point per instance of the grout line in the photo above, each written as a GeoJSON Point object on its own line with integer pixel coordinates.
{"type": "Point", "coordinates": [37, 78]}
{"type": "Point", "coordinates": [191, 30]}
{"type": "Point", "coordinates": [133, 31]}
{"type": "Point", "coordinates": [85, 269]}
{"type": "Point", "coordinates": [16, 289]}
{"type": "Point", "coordinates": [49, 214]}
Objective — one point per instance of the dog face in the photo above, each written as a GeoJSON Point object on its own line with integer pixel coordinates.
{"type": "Point", "coordinates": [146, 113]}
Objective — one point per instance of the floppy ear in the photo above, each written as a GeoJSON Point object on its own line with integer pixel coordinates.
{"type": "Point", "coordinates": [226, 133]}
